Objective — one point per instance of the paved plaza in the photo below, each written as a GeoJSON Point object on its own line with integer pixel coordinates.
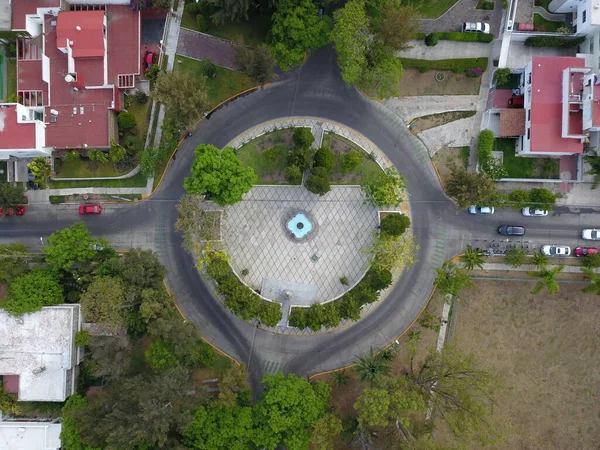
{"type": "Point", "coordinates": [255, 236]}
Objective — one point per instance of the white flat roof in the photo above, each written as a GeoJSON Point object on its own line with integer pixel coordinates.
{"type": "Point", "coordinates": [38, 348]}
{"type": "Point", "coordinates": [29, 436]}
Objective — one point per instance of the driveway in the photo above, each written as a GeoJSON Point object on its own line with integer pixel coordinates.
{"type": "Point", "coordinates": [446, 50]}
{"type": "Point", "coordinates": [464, 11]}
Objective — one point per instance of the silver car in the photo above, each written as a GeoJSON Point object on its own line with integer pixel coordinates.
{"type": "Point", "coordinates": [531, 212]}
{"type": "Point", "coordinates": [474, 209]}
{"type": "Point", "coordinates": [476, 27]}
{"type": "Point", "coordinates": [556, 250]}
{"type": "Point", "coordinates": [591, 234]}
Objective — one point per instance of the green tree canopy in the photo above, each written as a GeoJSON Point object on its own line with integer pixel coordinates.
{"type": "Point", "coordinates": [384, 71]}
{"type": "Point", "coordinates": [220, 428]}
{"type": "Point", "coordinates": [452, 279]}
{"type": "Point", "coordinates": [139, 268]}
{"type": "Point", "coordinates": [69, 434]}
{"type": "Point", "coordinates": [541, 198]}
{"type": "Point", "coordinates": [14, 259]}
{"type": "Point", "coordinates": [398, 25]}
{"type": "Point", "coordinates": [394, 252]}
{"type": "Point", "coordinates": [472, 258]}
{"type": "Point", "coordinates": [104, 301]}
{"type": "Point", "coordinates": [469, 188]}
{"type": "Point", "coordinates": [395, 224]}
{"type": "Point", "coordinates": [40, 168]}
{"type": "Point", "coordinates": [71, 245]}
{"type": "Point", "coordinates": [184, 95]}
{"type": "Point", "coordinates": [289, 407]}
{"type": "Point", "coordinates": [384, 190]}
{"type": "Point", "coordinates": [219, 175]}
{"type": "Point", "coordinates": [233, 10]}
{"type": "Point", "coordinates": [31, 292]}
{"type": "Point", "coordinates": [11, 195]}
{"type": "Point", "coordinates": [257, 63]}
{"type": "Point", "coordinates": [325, 430]}
{"type": "Point", "coordinates": [371, 367]}
{"type": "Point", "coordinates": [318, 181]}
{"type": "Point", "coordinates": [547, 278]}
{"type": "Point", "coordinates": [297, 28]}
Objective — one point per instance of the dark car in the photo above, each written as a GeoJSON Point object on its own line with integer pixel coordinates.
{"type": "Point", "coordinates": [90, 209]}
{"type": "Point", "coordinates": [584, 251]}
{"type": "Point", "coordinates": [511, 230]}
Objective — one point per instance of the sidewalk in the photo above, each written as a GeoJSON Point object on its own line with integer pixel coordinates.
{"type": "Point", "coordinates": [446, 50]}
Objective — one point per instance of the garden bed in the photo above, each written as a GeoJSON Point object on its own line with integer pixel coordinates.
{"type": "Point", "coordinates": [523, 167]}
{"type": "Point", "coordinates": [138, 180]}
{"type": "Point", "coordinates": [549, 26]}
{"type": "Point", "coordinates": [416, 83]}
{"type": "Point", "coordinates": [435, 120]}
{"type": "Point", "coordinates": [367, 170]}
{"type": "Point", "coordinates": [251, 32]}
{"type": "Point", "coordinates": [267, 155]}
{"type": "Point", "coordinates": [84, 168]}
{"type": "Point", "coordinates": [447, 157]}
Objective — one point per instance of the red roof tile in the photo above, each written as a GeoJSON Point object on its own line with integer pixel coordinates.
{"type": "Point", "coordinates": [20, 8]}
{"type": "Point", "coordinates": [123, 41]}
{"type": "Point", "coordinates": [15, 135]}
{"type": "Point", "coordinates": [512, 122]}
{"type": "Point", "coordinates": [546, 105]}
{"type": "Point", "coordinates": [85, 29]}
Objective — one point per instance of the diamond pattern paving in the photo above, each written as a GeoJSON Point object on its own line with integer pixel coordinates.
{"type": "Point", "coordinates": [255, 237]}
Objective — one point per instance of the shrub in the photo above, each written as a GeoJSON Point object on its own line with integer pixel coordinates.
{"type": "Point", "coordinates": [344, 281]}
{"type": "Point", "coordinates": [300, 157]}
{"type": "Point", "coordinates": [126, 120]}
{"type": "Point", "coordinates": [245, 272]}
{"type": "Point", "coordinates": [351, 160]}
{"type": "Point", "coordinates": [303, 137]}
{"type": "Point", "coordinates": [485, 5]}
{"type": "Point", "coordinates": [553, 41]}
{"type": "Point", "coordinates": [460, 37]}
{"type": "Point", "coordinates": [192, 8]}
{"type": "Point", "coordinates": [456, 65]}
{"type": "Point", "coordinates": [201, 22]}
{"type": "Point", "coordinates": [318, 181]}
{"type": "Point", "coordinates": [141, 97]}
{"type": "Point", "coordinates": [515, 257]}
{"type": "Point", "coordinates": [152, 72]}
{"type": "Point", "coordinates": [82, 338]}
{"type": "Point", "coordinates": [159, 356]}
{"type": "Point", "coordinates": [501, 76]}
{"type": "Point", "coordinates": [395, 224]}
{"type": "Point", "coordinates": [71, 155]}
{"type": "Point", "coordinates": [474, 73]}
{"type": "Point", "coordinates": [208, 68]}
{"type": "Point", "coordinates": [431, 40]}
{"type": "Point", "coordinates": [324, 158]}
{"type": "Point", "coordinates": [129, 142]}
{"type": "Point", "coordinates": [202, 354]}
{"type": "Point", "coordinates": [97, 155]}
{"type": "Point", "coordinates": [591, 261]}
{"type": "Point", "coordinates": [293, 175]}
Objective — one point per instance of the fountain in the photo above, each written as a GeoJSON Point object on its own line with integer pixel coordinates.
{"type": "Point", "coordinates": [300, 226]}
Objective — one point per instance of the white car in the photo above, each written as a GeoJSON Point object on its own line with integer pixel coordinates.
{"type": "Point", "coordinates": [530, 212]}
{"type": "Point", "coordinates": [474, 209]}
{"type": "Point", "coordinates": [556, 250]}
{"type": "Point", "coordinates": [476, 27]}
{"type": "Point", "coordinates": [591, 234]}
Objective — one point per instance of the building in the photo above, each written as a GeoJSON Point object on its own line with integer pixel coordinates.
{"type": "Point", "coordinates": [72, 70]}
{"type": "Point", "coordinates": [23, 435]}
{"type": "Point", "coordinates": [38, 355]}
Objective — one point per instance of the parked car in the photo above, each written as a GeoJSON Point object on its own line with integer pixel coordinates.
{"type": "Point", "coordinates": [591, 234]}
{"type": "Point", "coordinates": [90, 209]}
{"type": "Point", "coordinates": [476, 27]}
{"type": "Point", "coordinates": [149, 59]}
{"type": "Point", "coordinates": [511, 230]}
{"type": "Point", "coordinates": [584, 251]}
{"type": "Point", "coordinates": [531, 212]}
{"type": "Point", "coordinates": [556, 250]}
{"type": "Point", "coordinates": [473, 209]}
{"type": "Point", "coordinates": [18, 211]}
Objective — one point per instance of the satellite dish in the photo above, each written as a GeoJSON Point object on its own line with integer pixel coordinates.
{"type": "Point", "coordinates": [69, 78]}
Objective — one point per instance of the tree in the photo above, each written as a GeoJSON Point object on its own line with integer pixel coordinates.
{"type": "Point", "coordinates": [97, 155]}
{"type": "Point", "coordinates": [324, 158]}
{"type": "Point", "coordinates": [472, 258]}
{"type": "Point", "coordinates": [501, 76]}
{"type": "Point", "coordinates": [184, 95]}
{"type": "Point", "coordinates": [110, 355]}
{"type": "Point", "coordinates": [325, 430]}
{"type": "Point", "coordinates": [469, 188]}
{"type": "Point", "coordinates": [104, 301]}
{"type": "Point", "coordinates": [11, 195]}
{"type": "Point", "coordinates": [160, 357]}
{"type": "Point", "coordinates": [153, 305]}
{"type": "Point", "coordinates": [138, 268]}
{"type": "Point", "coordinates": [126, 120]}
{"type": "Point", "coordinates": [233, 381]}
{"type": "Point", "coordinates": [293, 174]}
{"type": "Point", "coordinates": [351, 160]}
{"type": "Point", "coordinates": [297, 28]}
{"type": "Point", "coordinates": [219, 175]}
{"type": "Point", "coordinates": [539, 260]}
{"type": "Point", "coordinates": [31, 292]}
{"type": "Point", "coordinates": [383, 72]}
{"type": "Point", "coordinates": [150, 160]}
{"type": "Point", "coordinates": [220, 428]}
{"type": "Point", "coordinates": [395, 224]}
{"type": "Point", "coordinates": [303, 137]}
{"type": "Point", "coordinates": [257, 63]}
{"type": "Point", "coordinates": [398, 25]}
{"type": "Point", "coordinates": [14, 261]}
{"type": "Point", "coordinates": [385, 189]}
{"type": "Point", "coordinates": [515, 257]}
{"type": "Point", "coordinates": [542, 198]}
{"type": "Point", "coordinates": [394, 252]}
{"type": "Point", "coordinates": [352, 39]}
{"type": "Point", "coordinates": [40, 168]}
{"type": "Point", "coordinates": [71, 245]}
{"type": "Point", "coordinates": [69, 435]}
{"type": "Point", "coordinates": [289, 407]}
{"type": "Point", "coordinates": [117, 153]}
{"type": "Point", "coordinates": [594, 280]}
{"type": "Point", "coordinates": [232, 10]}
{"type": "Point", "coordinates": [300, 157]}
{"type": "Point", "coordinates": [371, 367]}
{"type": "Point", "coordinates": [591, 261]}
{"type": "Point", "coordinates": [547, 279]}
{"type": "Point", "coordinates": [452, 279]}
{"type": "Point", "coordinates": [318, 181]}
{"type": "Point", "coordinates": [518, 198]}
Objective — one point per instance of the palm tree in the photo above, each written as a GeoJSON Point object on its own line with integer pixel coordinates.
{"type": "Point", "coordinates": [539, 260]}
{"type": "Point", "coordinates": [371, 367]}
{"type": "Point", "coordinates": [594, 162]}
{"type": "Point", "coordinates": [472, 258]}
{"type": "Point", "coordinates": [594, 280]}
{"type": "Point", "coordinates": [547, 278]}
{"type": "Point", "coordinates": [340, 377]}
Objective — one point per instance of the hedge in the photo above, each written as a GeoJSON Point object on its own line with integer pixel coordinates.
{"type": "Point", "coordinates": [238, 297]}
{"type": "Point", "coordinates": [464, 37]}
{"type": "Point", "coordinates": [456, 65]}
{"type": "Point", "coordinates": [553, 41]}
{"type": "Point", "coordinates": [487, 163]}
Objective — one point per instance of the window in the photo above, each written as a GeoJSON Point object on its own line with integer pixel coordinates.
{"type": "Point", "coordinates": [583, 16]}
{"type": "Point", "coordinates": [529, 80]}
{"type": "Point", "coordinates": [591, 46]}
{"type": "Point", "coordinates": [528, 114]}
{"type": "Point", "coordinates": [528, 133]}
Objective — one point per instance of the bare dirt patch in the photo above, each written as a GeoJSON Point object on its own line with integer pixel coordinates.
{"type": "Point", "coordinates": [435, 120]}
{"type": "Point", "coordinates": [415, 83]}
{"type": "Point", "coordinates": [546, 347]}
{"type": "Point", "coordinates": [446, 157]}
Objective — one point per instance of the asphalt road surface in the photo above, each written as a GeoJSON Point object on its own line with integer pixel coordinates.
{"type": "Point", "coordinates": [314, 90]}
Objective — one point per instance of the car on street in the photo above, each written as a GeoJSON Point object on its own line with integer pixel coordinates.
{"type": "Point", "coordinates": [511, 230]}
{"type": "Point", "coordinates": [473, 209]}
{"type": "Point", "coordinates": [591, 234]}
{"type": "Point", "coordinates": [149, 58]}
{"type": "Point", "coordinates": [531, 212]}
{"type": "Point", "coordinates": [476, 27]}
{"type": "Point", "coordinates": [556, 250]}
{"type": "Point", "coordinates": [90, 209]}
{"type": "Point", "coordinates": [584, 251]}
{"type": "Point", "coordinates": [18, 211]}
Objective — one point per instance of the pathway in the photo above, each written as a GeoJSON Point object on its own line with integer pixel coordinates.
{"type": "Point", "coordinates": [446, 50]}
{"type": "Point", "coordinates": [549, 16]}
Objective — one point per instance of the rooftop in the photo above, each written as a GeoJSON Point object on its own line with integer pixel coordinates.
{"type": "Point", "coordinates": [83, 30]}
{"type": "Point", "coordinates": [512, 122]}
{"type": "Point", "coordinates": [546, 105]}
{"type": "Point", "coordinates": [30, 436]}
{"type": "Point", "coordinates": [123, 42]}
{"type": "Point", "coordinates": [39, 348]}
{"type": "Point", "coordinates": [23, 7]}
{"type": "Point", "coordinates": [15, 135]}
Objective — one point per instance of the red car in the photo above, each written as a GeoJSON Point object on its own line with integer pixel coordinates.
{"type": "Point", "coordinates": [18, 211]}
{"type": "Point", "coordinates": [90, 209]}
{"type": "Point", "coordinates": [584, 251]}
{"type": "Point", "coordinates": [149, 59]}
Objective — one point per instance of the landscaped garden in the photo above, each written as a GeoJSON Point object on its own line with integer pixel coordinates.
{"type": "Point", "coordinates": [522, 167]}
{"type": "Point", "coordinates": [550, 26]}
{"type": "Point", "coordinates": [441, 82]}
{"type": "Point", "coordinates": [267, 155]}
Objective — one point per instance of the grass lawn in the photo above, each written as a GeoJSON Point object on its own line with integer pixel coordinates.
{"type": "Point", "coordinates": [542, 24]}
{"type": "Point", "coordinates": [11, 85]}
{"type": "Point", "coordinates": [511, 83]}
{"type": "Point", "coordinates": [516, 166]}
{"type": "Point", "coordinates": [367, 170]}
{"type": "Point", "coordinates": [415, 83]}
{"type": "Point", "coordinates": [543, 3]}
{"type": "Point", "coordinates": [435, 120]}
{"type": "Point", "coordinates": [269, 164]}
{"type": "Point", "coordinates": [250, 32]}
{"type": "Point", "coordinates": [84, 168]}
{"type": "Point", "coordinates": [226, 84]}
{"type": "Point", "coordinates": [430, 9]}
{"type": "Point", "coordinates": [142, 117]}
{"type": "Point", "coordinates": [545, 347]}
{"type": "Point", "coordinates": [138, 180]}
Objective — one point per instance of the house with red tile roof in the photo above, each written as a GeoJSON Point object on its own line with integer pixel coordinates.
{"type": "Point", "coordinates": [72, 71]}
